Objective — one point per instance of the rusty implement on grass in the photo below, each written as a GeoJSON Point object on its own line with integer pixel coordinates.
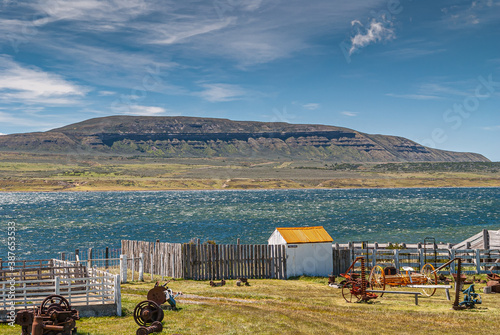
{"type": "Point", "coordinates": [215, 284]}
{"type": "Point", "coordinates": [380, 277]}
{"type": "Point", "coordinates": [156, 327]}
{"type": "Point", "coordinates": [162, 294]}
{"type": "Point", "coordinates": [54, 317]}
{"type": "Point", "coordinates": [148, 315]}
{"type": "Point", "coordinates": [354, 288]}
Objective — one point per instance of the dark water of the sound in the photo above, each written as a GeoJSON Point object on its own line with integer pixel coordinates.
{"type": "Point", "coordinates": [49, 223]}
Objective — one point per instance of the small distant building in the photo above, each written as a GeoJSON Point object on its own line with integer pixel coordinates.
{"type": "Point", "coordinates": [309, 250]}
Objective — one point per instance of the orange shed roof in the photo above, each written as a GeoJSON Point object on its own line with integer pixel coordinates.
{"type": "Point", "coordinates": [305, 235]}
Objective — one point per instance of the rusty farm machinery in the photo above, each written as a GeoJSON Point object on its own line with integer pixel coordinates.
{"type": "Point", "coordinates": [54, 317]}
{"type": "Point", "coordinates": [162, 294]}
{"type": "Point", "coordinates": [426, 279]}
{"type": "Point", "coordinates": [354, 287]}
{"type": "Point", "coordinates": [148, 314]}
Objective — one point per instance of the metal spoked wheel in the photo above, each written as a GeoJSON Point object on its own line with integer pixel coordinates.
{"type": "Point", "coordinates": [350, 291]}
{"type": "Point", "coordinates": [54, 302]}
{"type": "Point", "coordinates": [146, 312]}
{"type": "Point", "coordinates": [377, 279]}
{"type": "Point", "coordinates": [431, 279]}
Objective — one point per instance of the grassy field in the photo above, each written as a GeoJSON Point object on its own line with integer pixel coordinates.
{"type": "Point", "coordinates": [300, 306]}
{"type": "Point", "coordinates": [31, 172]}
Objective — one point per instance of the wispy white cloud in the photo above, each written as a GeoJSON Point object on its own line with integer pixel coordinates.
{"type": "Point", "coordinates": [177, 32]}
{"type": "Point", "coordinates": [467, 15]}
{"type": "Point", "coordinates": [103, 15]}
{"type": "Point", "coordinates": [414, 96]}
{"type": "Point", "coordinates": [221, 92]}
{"type": "Point", "coordinates": [105, 93]}
{"type": "Point", "coordinates": [26, 121]}
{"type": "Point", "coordinates": [311, 106]}
{"type": "Point", "coordinates": [376, 32]}
{"type": "Point", "coordinates": [409, 53]}
{"type": "Point", "coordinates": [436, 90]}
{"type": "Point", "coordinates": [147, 110]}
{"type": "Point", "coordinates": [443, 89]}
{"type": "Point", "coordinates": [349, 113]}
{"type": "Point", "coordinates": [31, 85]}
{"type": "Point", "coordinates": [492, 128]}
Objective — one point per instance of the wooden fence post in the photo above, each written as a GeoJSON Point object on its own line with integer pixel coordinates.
{"type": "Point", "coordinates": [486, 239]}
{"type": "Point", "coordinates": [396, 258]}
{"type": "Point", "coordinates": [452, 265]}
{"type": "Point", "coordinates": [89, 258]}
{"type": "Point", "coordinates": [118, 296]}
{"type": "Point", "coordinates": [133, 267]}
{"type": "Point", "coordinates": [421, 258]}
{"type": "Point", "coordinates": [152, 264]}
{"type": "Point", "coordinates": [374, 254]}
{"type": "Point", "coordinates": [141, 267]}
{"type": "Point", "coordinates": [123, 268]}
{"type": "Point", "coordinates": [478, 261]}
{"type": "Point", "coordinates": [106, 257]}
{"type": "Point", "coordinates": [57, 285]}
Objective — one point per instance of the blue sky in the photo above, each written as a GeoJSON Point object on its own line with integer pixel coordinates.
{"type": "Point", "coordinates": [425, 70]}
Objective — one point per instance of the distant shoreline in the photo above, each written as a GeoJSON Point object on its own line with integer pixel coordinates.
{"type": "Point", "coordinates": [117, 190]}
{"type": "Point", "coordinates": [19, 173]}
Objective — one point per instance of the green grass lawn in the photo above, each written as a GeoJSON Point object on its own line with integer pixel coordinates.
{"type": "Point", "coordinates": [301, 306]}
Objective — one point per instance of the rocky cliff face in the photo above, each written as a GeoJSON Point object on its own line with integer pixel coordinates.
{"type": "Point", "coordinates": [207, 137]}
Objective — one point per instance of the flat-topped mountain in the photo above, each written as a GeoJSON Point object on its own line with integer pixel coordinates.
{"type": "Point", "coordinates": [209, 137]}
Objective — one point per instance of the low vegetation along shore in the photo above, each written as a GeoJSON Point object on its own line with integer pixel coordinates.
{"type": "Point", "coordinates": [298, 306]}
{"type": "Point", "coordinates": [32, 172]}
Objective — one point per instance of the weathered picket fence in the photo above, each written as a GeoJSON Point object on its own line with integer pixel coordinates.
{"type": "Point", "coordinates": [230, 261]}
{"type": "Point", "coordinates": [159, 258]}
{"type": "Point", "coordinates": [26, 284]}
{"type": "Point", "coordinates": [207, 261]}
{"type": "Point", "coordinates": [474, 261]}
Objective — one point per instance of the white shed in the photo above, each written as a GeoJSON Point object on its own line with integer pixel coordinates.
{"type": "Point", "coordinates": [309, 250]}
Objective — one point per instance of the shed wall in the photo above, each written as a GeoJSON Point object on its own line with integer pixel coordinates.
{"type": "Point", "coordinates": [311, 259]}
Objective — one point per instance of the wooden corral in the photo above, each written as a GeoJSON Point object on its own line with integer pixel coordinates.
{"type": "Point", "coordinates": [208, 261]}
{"type": "Point", "coordinates": [231, 261]}
{"type": "Point", "coordinates": [486, 239]}
{"type": "Point", "coordinates": [25, 284]}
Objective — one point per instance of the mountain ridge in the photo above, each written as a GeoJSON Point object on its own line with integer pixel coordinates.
{"type": "Point", "coordinates": [181, 136]}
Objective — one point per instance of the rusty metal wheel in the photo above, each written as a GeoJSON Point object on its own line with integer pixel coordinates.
{"type": "Point", "coordinates": [54, 302]}
{"type": "Point", "coordinates": [377, 279]}
{"type": "Point", "coordinates": [430, 279]}
{"type": "Point", "coordinates": [157, 294]}
{"type": "Point", "coordinates": [350, 291]}
{"type": "Point", "coordinates": [146, 312]}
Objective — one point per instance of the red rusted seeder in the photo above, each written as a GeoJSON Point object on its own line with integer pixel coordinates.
{"type": "Point", "coordinates": [54, 317]}
{"type": "Point", "coordinates": [354, 288]}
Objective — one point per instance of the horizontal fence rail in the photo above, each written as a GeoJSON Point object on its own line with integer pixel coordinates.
{"type": "Point", "coordinates": [231, 261]}
{"type": "Point", "coordinates": [207, 261]}
{"type": "Point", "coordinates": [474, 261]}
{"type": "Point", "coordinates": [163, 259]}
{"type": "Point", "coordinates": [26, 287]}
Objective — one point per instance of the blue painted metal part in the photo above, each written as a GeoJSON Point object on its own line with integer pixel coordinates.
{"type": "Point", "coordinates": [471, 298]}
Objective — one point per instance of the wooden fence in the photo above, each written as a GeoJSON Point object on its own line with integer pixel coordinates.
{"type": "Point", "coordinates": [486, 239]}
{"type": "Point", "coordinates": [230, 261]}
{"type": "Point", "coordinates": [342, 259]}
{"type": "Point", "coordinates": [159, 258]}
{"type": "Point", "coordinates": [207, 261]}
{"type": "Point", "coordinates": [102, 258]}
{"type": "Point", "coordinates": [474, 261]}
{"type": "Point", "coordinates": [89, 288]}
{"type": "Point", "coordinates": [28, 270]}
